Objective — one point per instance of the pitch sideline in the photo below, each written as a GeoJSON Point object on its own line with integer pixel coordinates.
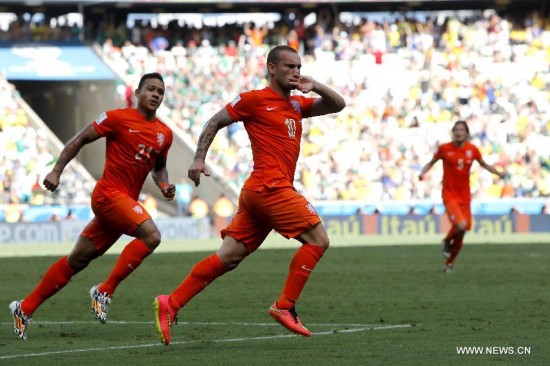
{"type": "Point", "coordinates": [275, 241]}
{"type": "Point", "coordinates": [362, 328]}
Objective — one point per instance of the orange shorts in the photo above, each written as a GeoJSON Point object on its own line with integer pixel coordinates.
{"type": "Point", "coordinates": [281, 209]}
{"type": "Point", "coordinates": [114, 216]}
{"type": "Point", "coordinates": [457, 212]}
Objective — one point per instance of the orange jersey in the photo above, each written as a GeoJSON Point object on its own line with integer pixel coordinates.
{"type": "Point", "coordinates": [457, 162]}
{"type": "Point", "coordinates": [274, 126]}
{"type": "Point", "coordinates": [133, 144]}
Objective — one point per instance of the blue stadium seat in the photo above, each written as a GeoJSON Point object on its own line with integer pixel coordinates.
{"type": "Point", "coordinates": [530, 207]}
{"type": "Point", "coordinates": [83, 213]}
{"type": "Point", "coordinates": [335, 209]}
{"type": "Point", "coordinates": [422, 208]}
{"type": "Point", "coordinates": [394, 208]}
{"type": "Point", "coordinates": [439, 208]}
{"type": "Point", "coordinates": [368, 209]}
{"type": "Point", "coordinates": [492, 208]}
{"type": "Point", "coordinates": [43, 213]}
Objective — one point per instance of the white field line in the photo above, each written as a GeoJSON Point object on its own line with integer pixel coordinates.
{"type": "Point", "coordinates": [361, 328]}
{"type": "Point", "coordinates": [270, 324]}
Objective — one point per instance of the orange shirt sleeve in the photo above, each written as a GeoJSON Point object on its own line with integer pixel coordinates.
{"type": "Point", "coordinates": [106, 124]}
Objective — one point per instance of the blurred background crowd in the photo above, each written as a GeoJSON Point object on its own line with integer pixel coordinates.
{"type": "Point", "coordinates": [27, 156]}
{"type": "Point", "coordinates": [406, 80]}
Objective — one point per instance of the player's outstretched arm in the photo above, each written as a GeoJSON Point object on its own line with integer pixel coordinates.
{"type": "Point", "coordinates": [211, 128]}
{"type": "Point", "coordinates": [71, 149]}
{"type": "Point", "coordinates": [426, 168]}
{"type": "Point", "coordinates": [491, 169]}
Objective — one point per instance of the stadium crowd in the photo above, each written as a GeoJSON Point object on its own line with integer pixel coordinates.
{"type": "Point", "coordinates": [26, 157]}
{"type": "Point", "coordinates": [406, 81]}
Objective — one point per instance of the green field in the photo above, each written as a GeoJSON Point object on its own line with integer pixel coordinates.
{"type": "Point", "coordinates": [366, 305]}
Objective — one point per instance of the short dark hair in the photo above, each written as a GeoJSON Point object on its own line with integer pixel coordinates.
{"type": "Point", "coordinates": [151, 75]}
{"type": "Point", "coordinates": [461, 123]}
{"type": "Point", "coordinates": [274, 55]}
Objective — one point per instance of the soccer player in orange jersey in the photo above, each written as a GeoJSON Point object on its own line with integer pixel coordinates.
{"type": "Point", "coordinates": [273, 120]}
{"type": "Point", "coordinates": [137, 143]}
{"type": "Point", "coordinates": [458, 156]}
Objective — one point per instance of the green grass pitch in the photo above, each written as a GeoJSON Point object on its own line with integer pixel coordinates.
{"type": "Point", "coordinates": [366, 305]}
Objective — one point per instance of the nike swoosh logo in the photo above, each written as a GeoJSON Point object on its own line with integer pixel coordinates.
{"type": "Point", "coordinates": [270, 108]}
{"type": "Point", "coordinates": [306, 269]}
{"type": "Point", "coordinates": [130, 266]}
{"type": "Point", "coordinates": [130, 130]}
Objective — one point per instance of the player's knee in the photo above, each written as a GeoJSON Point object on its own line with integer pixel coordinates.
{"type": "Point", "coordinates": [324, 242]}
{"type": "Point", "coordinates": [153, 239]}
{"type": "Point", "coordinates": [321, 240]}
{"type": "Point", "coordinates": [315, 236]}
{"type": "Point", "coordinates": [461, 227]}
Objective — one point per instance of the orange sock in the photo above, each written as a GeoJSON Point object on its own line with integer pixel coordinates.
{"type": "Point", "coordinates": [131, 257]}
{"type": "Point", "coordinates": [202, 274]}
{"type": "Point", "coordinates": [455, 248]}
{"type": "Point", "coordinates": [452, 234]}
{"type": "Point", "coordinates": [55, 278]}
{"type": "Point", "coordinates": [301, 266]}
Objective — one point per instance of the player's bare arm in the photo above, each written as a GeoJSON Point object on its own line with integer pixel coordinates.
{"type": "Point", "coordinates": [426, 168]}
{"type": "Point", "coordinates": [213, 125]}
{"type": "Point", "coordinates": [159, 173]}
{"type": "Point", "coordinates": [330, 101]}
{"type": "Point", "coordinates": [71, 149]}
{"type": "Point", "coordinates": [491, 169]}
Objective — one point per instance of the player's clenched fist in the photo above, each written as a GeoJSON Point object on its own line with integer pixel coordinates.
{"type": "Point", "coordinates": [51, 182]}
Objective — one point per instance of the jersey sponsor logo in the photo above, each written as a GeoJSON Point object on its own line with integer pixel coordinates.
{"type": "Point", "coordinates": [160, 138]}
{"type": "Point", "coordinates": [101, 118]}
{"type": "Point", "coordinates": [235, 101]}
{"type": "Point", "coordinates": [133, 131]}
